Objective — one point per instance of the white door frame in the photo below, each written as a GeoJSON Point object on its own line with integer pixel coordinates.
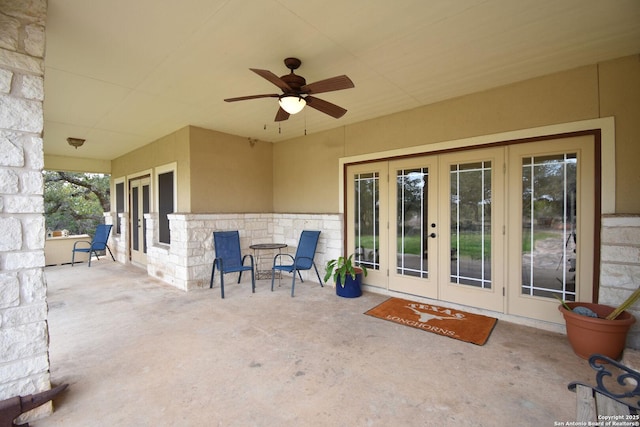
{"type": "Point", "coordinates": [601, 129]}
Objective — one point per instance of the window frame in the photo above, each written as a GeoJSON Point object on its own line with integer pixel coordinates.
{"type": "Point", "coordinates": [161, 170]}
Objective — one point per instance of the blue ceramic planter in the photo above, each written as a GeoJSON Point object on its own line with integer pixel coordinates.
{"type": "Point", "coordinates": [351, 288]}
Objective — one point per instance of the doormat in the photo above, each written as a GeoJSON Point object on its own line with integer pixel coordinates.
{"type": "Point", "coordinates": [463, 326]}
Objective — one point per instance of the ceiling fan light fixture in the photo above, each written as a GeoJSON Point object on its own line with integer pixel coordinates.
{"type": "Point", "coordinates": [292, 104]}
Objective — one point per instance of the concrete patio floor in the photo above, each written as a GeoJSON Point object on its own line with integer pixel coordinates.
{"type": "Point", "coordinates": [137, 352]}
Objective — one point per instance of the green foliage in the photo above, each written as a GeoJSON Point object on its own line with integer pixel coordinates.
{"type": "Point", "coordinates": [340, 267]}
{"type": "Point", "coordinates": [75, 201]}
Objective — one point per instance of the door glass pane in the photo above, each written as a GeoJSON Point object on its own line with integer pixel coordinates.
{"type": "Point", "coordinates": [135, 206]}
{"type": "Point", "coordinates": [367, 219]}
{"type": "Point", "coordinates": [549, 226]}
{"type": "Point", "coordinates": [471, 224]}
{"type": "Point", "coordinates": [411, 239]}
{"type": "Point", "coordinates": [119, 206]}
{"type": "Point", "coordinates": [165, 206]}
{"type": "Point", "coordinates": [145, 210]}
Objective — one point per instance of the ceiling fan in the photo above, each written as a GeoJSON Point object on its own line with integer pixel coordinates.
{"type": "Point", "coordinates": [296, 93]}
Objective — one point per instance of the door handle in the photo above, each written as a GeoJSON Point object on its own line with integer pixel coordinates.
{"type": "Point", "coordinates": [432, 235]}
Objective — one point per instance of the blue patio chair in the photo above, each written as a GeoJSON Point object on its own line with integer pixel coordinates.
{"type": "Point", "coordinates": [99, 243]}
{"type": "Point", "coordinates": [303, 259]}
{"type": "Point", "coordinates": [229, 259]}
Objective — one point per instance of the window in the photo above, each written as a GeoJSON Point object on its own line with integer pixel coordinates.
{"type": "Point", "coordinates": [166, 201]}
{"type": "Point", "coordinates": [119, 205]}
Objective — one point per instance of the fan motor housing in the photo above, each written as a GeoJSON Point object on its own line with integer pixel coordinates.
{"type": "Point", "coordinates": [294, 81]}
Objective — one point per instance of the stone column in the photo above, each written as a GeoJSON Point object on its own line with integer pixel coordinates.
{"type": "Point", "coordinates": [24, 361]}
{"type": "Point", "coordinates": [620, 266]}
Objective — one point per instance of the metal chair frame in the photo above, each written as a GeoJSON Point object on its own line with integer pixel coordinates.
{"type": "Point", "coordinates": [99, 243]}
{"type": "Point", "coordinates": [303, 259]}
{"type": "Point", "coordinates": [228, 258]}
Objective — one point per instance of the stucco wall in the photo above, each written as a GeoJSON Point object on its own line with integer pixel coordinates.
{"type": "Point", "coordinates": [168, 149]}
{"type": "Point", "coordinates": [620, 97]}
{"type": "Point", "coordinates": [602, 90]}
{"type": "Point", "coordinates": [216, 172]}
{"type": "Point", "coordinates": [305, 173]}
{"type": "Point", "coordinates": [229, 173]}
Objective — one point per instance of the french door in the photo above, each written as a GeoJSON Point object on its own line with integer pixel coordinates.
{"type": "Point", "coordinates": [471, 215]}
{"type": "Point", "coordinates": [368, 213]}
{"type": "Point", "coordinates": [140, 203]}
{"type": "Point", "coordinates": [551, 225]}
{"type": "Point", "coordinates": [455, 226]}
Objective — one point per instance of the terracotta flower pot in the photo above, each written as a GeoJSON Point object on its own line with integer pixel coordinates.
{"type": "Point", "coordinates": [589, 335]}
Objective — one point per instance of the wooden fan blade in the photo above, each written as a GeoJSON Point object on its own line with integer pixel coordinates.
{"type": "Point", "coordinates": [325, 107]}
{"type": "Point", "coordinates": [266, 74]}
{"type": "Point", "coordinates": [243, 98]}
{"type": "Point", "coordinates": [328, 85]}
{"type": "Point", "coordinates": [281, 115]}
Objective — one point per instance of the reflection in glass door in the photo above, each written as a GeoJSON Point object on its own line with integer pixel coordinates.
{"type": "Point", "coordinates": [472, 211]}
{"type": "Point", "coordinates": [470, 219]}
{"type": "Point", "coordinates": [367, 222]}
{"type": "Point", "coordinates": [140, 204]}
{"type": "Point", "coordinates": [549, 226]}
{"type": "Point", "coordinates": [411, 239]}
{"type": "Point", "coordinates": [412, 248]}
{"type": "Point", "coordinates": [367, 219]}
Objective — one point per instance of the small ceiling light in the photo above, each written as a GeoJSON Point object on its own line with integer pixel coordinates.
{"type": "Point", "coordinates": [292, 104]}
{"type": "Point", "coordinates": [75, 142]}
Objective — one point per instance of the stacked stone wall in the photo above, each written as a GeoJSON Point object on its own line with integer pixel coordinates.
{"type": "Point", "coordinates": [118, 242]}
{"type": "Point", "coordinates": [186, 263]}
{"type": "Point", "coordinates": [24, 361]}
{"type": "Point", "coordinates": [620, 265]}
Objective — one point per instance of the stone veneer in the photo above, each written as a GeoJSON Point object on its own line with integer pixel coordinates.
{"type": "Point", "coordinates": [24, 360]}
{"type": "Point", "coordinates": [186, 263]}
{"type": "Point", "coordinates": [620, 265]}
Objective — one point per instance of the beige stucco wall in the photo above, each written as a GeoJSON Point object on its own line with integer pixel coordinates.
{"type": "Point", "coordinates": [173, 148]}
{"type": "Point", "coordinates": [608, 89]}
{"type": "Point", "coordinates": [230, 173]}
{"type": "Point", "coordinates": [305, 173]}
{"type": "Point", "coordinates": [216, 172]}
{"type": "Point", "coordinates": [620, 97]}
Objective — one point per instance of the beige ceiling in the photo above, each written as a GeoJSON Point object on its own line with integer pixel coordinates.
{"type": "Point", "coordinates": [122, 73]}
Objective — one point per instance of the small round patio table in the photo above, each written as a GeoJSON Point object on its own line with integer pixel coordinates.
{"type": "Point", "coordinates": [264, 263]}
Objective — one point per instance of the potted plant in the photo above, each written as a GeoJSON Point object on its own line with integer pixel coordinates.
{"type": "Point", "coordinates": [346, 275]}
{"type": "Point", "coordinates": [598, 328]}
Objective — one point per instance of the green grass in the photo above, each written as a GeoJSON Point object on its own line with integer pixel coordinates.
{"type": "Point", "coordinates": [470, 243]}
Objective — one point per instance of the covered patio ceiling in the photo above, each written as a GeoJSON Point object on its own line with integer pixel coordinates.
{"type": "Point", "coordinates": [121, 74]}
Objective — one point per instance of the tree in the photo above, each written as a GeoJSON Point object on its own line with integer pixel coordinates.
{"type": "Point", "coordinates": [75, 201]}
